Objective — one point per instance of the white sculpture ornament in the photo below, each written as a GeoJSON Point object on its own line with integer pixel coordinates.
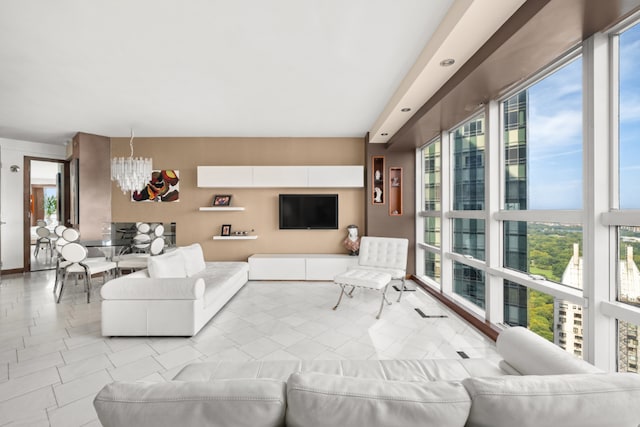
{"type": "Point", "coordinates": [377, 195]}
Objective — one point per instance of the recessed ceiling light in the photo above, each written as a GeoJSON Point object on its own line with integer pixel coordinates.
{"type": "Point", "coordinates": [384, 134]}
{"type": "Point", "coordinates": [405, 109]}
{"type": "Point", "coordinates": [447, 62]}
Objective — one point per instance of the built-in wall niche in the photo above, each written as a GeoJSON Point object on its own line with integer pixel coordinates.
{"type": "Point", "coordinates": [377, 180]}
{"type": "Point", "coordinates": [395, 191]}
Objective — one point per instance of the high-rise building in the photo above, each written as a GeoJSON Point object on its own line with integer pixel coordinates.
{"type": "Point", "coordinates": [568, 329]}
{"type": "Point", "coordinates": [468, 195]}
{"type": "Point", "coordinates": [469, 234]}
{"type": "Point", "coordinates": [516, 196]}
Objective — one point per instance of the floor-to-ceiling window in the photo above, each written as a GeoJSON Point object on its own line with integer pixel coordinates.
{"type": "Point", "coordinates": [431, 157]}
{"type": "Point", "coordinates": [542, 139]}
{"type": "Point", "coordinates": [627, 47]}
{"type": "Point", "coordinates": [568, 218]}
{"type": "Point", "coordinates": [468, 183]}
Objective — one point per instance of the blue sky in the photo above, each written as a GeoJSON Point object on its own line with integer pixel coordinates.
{"type": "Point", "coordinates": [555, 140]}
{"type": "Point", "coordinates": [630, 118]}
{"type": "Point", "coordinates": [555, 133]}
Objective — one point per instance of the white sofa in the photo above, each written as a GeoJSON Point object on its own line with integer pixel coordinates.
{"type": "Point", "coordinates": [175, 296]}
{"type": "Point", "coordinates": [536, 384]}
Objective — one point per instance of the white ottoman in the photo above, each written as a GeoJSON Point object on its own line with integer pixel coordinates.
{"type": "Point", "coordinates": [369, 279]}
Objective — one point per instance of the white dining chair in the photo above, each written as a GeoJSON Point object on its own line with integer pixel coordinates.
{"type": "Point", "coordinates": [138, 261]}
{"type": "Point", "coordinates": [76, 263]}
{"type": "Point", "coordinates": [43, 241]}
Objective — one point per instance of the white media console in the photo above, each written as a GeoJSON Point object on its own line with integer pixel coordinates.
{"type": "Point", "coordinates": [299, 266]}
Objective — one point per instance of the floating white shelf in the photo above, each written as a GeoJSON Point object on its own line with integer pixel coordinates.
{"type": "Point", "coordinates": [222, 208]}
{"type": "Point", "coordinates": [234, 237]}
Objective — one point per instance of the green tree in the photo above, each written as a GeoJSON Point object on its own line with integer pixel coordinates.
{"type": "Point", "coordinates": [50, 205]}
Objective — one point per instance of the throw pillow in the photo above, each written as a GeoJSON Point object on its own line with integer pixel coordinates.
{"type": "Point", "coordinates": [319, 400]}
{"type": "Point", "coordinates": [237, 403]}
{"type": "Point", "coordinates": [168, 265]}
{"type": "Point", "coordinates": [193, 259]}
{"type": "Point", "coordinates": [573, 400]}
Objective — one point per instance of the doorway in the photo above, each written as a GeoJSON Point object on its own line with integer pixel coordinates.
{"type": "Point", "coordinates": [46, 206]}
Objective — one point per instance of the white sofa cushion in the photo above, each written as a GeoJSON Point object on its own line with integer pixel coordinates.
{"type": "Point", "coordinates": [530, 354]}
{"type": "Point", "coordinates": [231, 403]}
{"type": "Point", "coordinates": [167, 265]}
{"type": "Point", "coordinates": [319, 400]}
{"type": "Point", "coordinates": [128, 288]}
{"type": "Point", "coordinates": [576, 400]}
{"type": "Point", "coordinates": [392, 370]}
{"type": "Point", "coordinates": [193, 259]}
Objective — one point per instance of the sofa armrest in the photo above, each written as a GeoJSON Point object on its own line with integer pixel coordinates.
{"type": "Point", "coordinates": [126, 288]}
{"type": "Point", "coordinates": [530, 354]}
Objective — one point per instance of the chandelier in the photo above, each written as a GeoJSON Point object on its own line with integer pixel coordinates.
{"type": "Point", "coordinates": [131, 173]}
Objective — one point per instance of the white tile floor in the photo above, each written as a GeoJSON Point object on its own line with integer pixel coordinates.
{"type": "Point", "coordinates": [53, 359]}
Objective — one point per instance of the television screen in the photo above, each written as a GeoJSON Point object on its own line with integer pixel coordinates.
{"type": "Point", "coordinates": [308, 211]}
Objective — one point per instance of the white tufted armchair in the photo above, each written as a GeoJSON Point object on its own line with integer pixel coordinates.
{"type": "Point", "coordinates": [385, 254]}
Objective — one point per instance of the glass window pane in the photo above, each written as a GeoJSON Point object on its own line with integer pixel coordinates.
{"type": "Point", "coordinates": [468, 165]}
{"type": "Point", "coordinates": [552, 251]}
{"type": "Point", "coordinates": [627, 347]}
{"type": "Point", "coordinates": [432, 192]}
{"type": "Point", "coordinates": [432, 265]}
{"type": "Point", "coordinates": [629, 118]}
{"type": "Point", "coordinates": [515, 304]}
{"type": "Point", "coordinates": [542, 134]}
{"type": "Point", "coordinates": [628, 258]}
{"type": "Point", "coordinates": [557, 321]}
{"type": "Point", "coordinates": [468, 282]}
{"type": "Point", "coordinates": [468, 237]}
{"type": "Point", "coordinates": [432, 231]}
{"type": "Point", "coordinates": [568, 320]}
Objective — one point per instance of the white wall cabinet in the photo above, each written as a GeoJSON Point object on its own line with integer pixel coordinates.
{"type": "Point", "coordinates": [225, 176]}
{"type": "Point", "coordinates": [335, 176]}
{"type": "Point", "coordinates": [281, 176]}
{"type": "Point", "coordinates": [299, 266]}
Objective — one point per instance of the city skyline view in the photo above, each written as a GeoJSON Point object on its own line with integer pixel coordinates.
{"type": "Point", "coordinates": [555, 132]}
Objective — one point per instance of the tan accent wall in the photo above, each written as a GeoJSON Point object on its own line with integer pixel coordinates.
{"type": "Point", "coordinates": [261, 205]}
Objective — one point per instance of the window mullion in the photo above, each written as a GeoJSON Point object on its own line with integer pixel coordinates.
{"type": "Point", "coordinates": [494, 285]}
{"type": "Point", "coordinates": [446, 180]}
{"type": "Point", "coordinates": [600, 329]}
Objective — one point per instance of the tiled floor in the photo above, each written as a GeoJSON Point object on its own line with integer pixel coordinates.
{"type": "Point", "coordinates": [44, 260]}
{"type": "Point", "coordinates": [53, 359]}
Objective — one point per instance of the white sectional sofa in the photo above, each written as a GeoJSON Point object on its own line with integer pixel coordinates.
{"type": "Point", "coordinates": [175, 296]}
{"type": "Point", "coordinates": [536, 384]}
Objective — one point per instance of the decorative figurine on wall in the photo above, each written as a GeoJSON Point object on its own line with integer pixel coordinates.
{"type": "Point", "coordinates": [352, 241]}
{"type": "Point", "coordinates": [377, 198]}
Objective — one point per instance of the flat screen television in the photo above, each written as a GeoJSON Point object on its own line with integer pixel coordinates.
{"type": "Point", "coordinates": [308, 211]}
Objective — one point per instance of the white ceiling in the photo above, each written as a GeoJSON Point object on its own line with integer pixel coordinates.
{"type": "Point", "coordinates": [252, 68]}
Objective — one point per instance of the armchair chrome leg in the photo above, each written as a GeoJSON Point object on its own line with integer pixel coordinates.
{"type": "Point", "coordinates": [340, 298]}
{"type": "Point", "coordinates": [350, 293]}
{"type": "Point", "coordinates": [401, 290]}
{"type": "Point", "coordinates": [384, 298]}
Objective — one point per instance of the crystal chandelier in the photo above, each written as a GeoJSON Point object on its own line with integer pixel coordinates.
{"type": "Point", "coordinates": [131, 173]}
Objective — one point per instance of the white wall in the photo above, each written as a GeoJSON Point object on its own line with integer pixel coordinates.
{"type": "Point", "coordinates": [12, 152]}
